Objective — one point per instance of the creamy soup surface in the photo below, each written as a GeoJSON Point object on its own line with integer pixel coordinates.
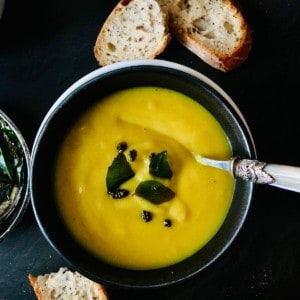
{"type": "Point", "coordinates": [149, 120]}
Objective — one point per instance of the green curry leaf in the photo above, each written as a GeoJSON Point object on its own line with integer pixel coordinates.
{"type": "Point", "coordinates": [154, 191]}
{"type": "Point", "coordinates": [159, 165]}
{"type": "Point", "coordinates": [118, 172]}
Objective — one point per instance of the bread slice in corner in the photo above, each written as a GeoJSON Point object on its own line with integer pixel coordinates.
{"type": "Point", "coordinates": [214, 30]}
{"type": "Point", "coordinates": [135, 29]}
{"type": "Point", "coordinates": [65, 284]}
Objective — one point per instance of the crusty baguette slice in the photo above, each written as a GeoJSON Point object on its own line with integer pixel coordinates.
{"type": "Point", "coordinates": [214, 30]}
{"type": "Point", "coordinates": [65, 284]}
{"type": "Point", "coordinates": [135, 29]}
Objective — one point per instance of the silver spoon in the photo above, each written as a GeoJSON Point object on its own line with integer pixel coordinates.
{"type": "Point", "coordinates": [281, 176]}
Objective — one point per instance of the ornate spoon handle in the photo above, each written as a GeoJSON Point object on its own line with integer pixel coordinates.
{"type": "Point", "coordinates": [285, 177]}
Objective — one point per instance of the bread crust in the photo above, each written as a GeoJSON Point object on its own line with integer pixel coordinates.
{"type": "Point", "coordinates": [33, 280]}
{"type": "Point", "coordinates": [64, 277]}
{"type": "Point", "coordinates": [135, 29]}
{"type": "Point", "coordinates": [193, 24]}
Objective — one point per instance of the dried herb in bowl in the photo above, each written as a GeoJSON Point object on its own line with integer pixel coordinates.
{"type": "Point", "coordinates": [11, 168]}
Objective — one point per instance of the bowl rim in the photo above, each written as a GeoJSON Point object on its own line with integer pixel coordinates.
{"type": "Point", "coordinates": [143, 62]}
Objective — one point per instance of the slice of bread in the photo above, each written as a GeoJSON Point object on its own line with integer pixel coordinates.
{"type": "Point", "coordinates": [214, 30]}
{"type": "Point", "coordinates": [66, 284]}
{"type": "Point", "coordinates": [135, 29]}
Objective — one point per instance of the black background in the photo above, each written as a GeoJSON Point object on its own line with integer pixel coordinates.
{"type": "Point", "coordinates": [45, 46]}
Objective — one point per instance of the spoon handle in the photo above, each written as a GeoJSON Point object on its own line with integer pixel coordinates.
{"type": "Point", "coordinates": [285, 177]}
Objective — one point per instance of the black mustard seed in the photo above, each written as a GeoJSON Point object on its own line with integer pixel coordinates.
{"type": "Point", "coordinates": [146, 216]}
{"type": "Point", "coordinates": [121, 147]}
{"type": "Point", "coordinates": [119, 193]}
{"type": "Point", "coordinates": [167, 223]}
{"type": "Point", "coordinates": [151, 155]}
{"type": "Point", "coordinates": [132, 155]}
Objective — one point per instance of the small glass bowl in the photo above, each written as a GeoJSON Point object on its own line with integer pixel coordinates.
{"type": "Point", "coordinates": [14, 175]}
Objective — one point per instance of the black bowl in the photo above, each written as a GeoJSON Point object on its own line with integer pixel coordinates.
{"type": "Point", "coordinates": [82, 95]}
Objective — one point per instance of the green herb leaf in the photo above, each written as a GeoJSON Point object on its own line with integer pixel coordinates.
{"type": "Point", "coordinates": [11, 161]}
{"type": "Point", "coordinates": [154, 191]}
{"type": "Point", "coordinates": [118, 172]}
{"type": "Point", "coordinates": [159, 165]}
{"type": "Point", "coordinates": [6, 190]}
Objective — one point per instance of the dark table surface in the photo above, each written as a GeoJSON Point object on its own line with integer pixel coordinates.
{"type": "Point", "coordinates": [45, 46]}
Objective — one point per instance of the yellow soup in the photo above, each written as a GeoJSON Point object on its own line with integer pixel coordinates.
{"type": "Point", "coordinates": [149, 120]}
